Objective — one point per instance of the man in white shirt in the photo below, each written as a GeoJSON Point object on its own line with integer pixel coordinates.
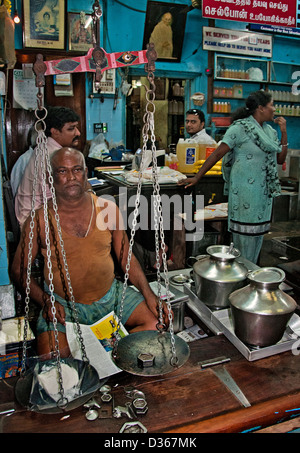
{"type": "Point", "coordinates": [62, 131]}
{"type": "Point", "coordinates": [194, 125]}
{"type": "Point", "coordinates": [20, 165]}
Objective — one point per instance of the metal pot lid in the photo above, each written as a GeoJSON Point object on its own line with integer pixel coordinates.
{"type": "Point", "coordinates": [179, 279]}
{"type": "Point", "coordinates": [223, 252]}
{"type": "Point", "coordinates": [267, 275]}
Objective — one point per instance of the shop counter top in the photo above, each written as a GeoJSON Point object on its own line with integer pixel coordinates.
{"type": "Point", "coordinates": [187, 400]}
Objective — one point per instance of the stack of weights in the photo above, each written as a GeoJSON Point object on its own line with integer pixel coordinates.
{"type": "Point", "coordinates": [215, 170]}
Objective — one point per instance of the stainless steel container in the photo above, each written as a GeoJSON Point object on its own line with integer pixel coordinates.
{"type": "Point", "coordinates": [178, 309]}
{"type": "Point", "coordinates": [217, 275]}
{"type": "Point", "coordinates": [261, 310]}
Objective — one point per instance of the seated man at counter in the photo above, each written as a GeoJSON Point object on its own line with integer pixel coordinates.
{"type": "Point", "coordinates": [195, 127]}
{"type": "Point", "coordinates": [90, 228]}
{"type": "Point", "coordinates": [61, 130]}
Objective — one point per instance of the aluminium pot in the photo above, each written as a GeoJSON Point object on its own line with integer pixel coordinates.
{"type": "Point", "coordinates": [218, 274]}
{"type": "Point", "coordinates": [261, 310]}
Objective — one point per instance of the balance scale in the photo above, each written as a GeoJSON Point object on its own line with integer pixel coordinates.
{"type": "Point", "coordinates": [144, 353]}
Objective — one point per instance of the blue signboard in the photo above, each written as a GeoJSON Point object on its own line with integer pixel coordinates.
{"type": "Point", "coordinates": [285, 31]}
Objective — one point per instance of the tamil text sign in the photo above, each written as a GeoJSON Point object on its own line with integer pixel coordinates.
{"type": "Point", "coordinates": [280, 13]}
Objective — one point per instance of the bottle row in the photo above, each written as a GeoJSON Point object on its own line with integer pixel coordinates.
{"type": "Point", "coordinates": [176, 107]}
{"type": "Point", "coordinates": [229, 73]}
{"type": "Point", "coordinates": [287, 110]}
{"type": "Point", "coordinates": [286, 96]}
{"type": "Point", "coordinates": [221, 107]}
{"type": "Point", "coordinates": [236, 91]}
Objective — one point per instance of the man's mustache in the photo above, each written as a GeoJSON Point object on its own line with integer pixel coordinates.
{"type": "Point", "coordinates": [76, 138]}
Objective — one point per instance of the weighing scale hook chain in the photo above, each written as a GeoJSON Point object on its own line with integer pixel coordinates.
{"type": "Point", "coordinates": [42, 161]}
{"type": "Point", "coordinates": [148, 128]}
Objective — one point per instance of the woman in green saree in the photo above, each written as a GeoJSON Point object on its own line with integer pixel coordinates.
{"type": "Point", "coordinates": [251, 151]}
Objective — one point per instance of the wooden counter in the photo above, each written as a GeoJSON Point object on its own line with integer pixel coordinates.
{"type": "Point", "coordinates": [188, 400]}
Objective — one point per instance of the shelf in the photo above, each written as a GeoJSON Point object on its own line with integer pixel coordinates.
{"type": "Point", "coordinates": [281, 73]}
{"type": "Point", "coordinates": [272, 74]}
{"type": "Point", "coordinates": [229, 79]}
{"type": "Point", "coordinates": [249, 70]}
{"type": "Point", "coordinates": [284, 84]}
{"type": "Point", "coordinates": [285, 102]}
{"type": "Point", "coordinates": [229, 98]}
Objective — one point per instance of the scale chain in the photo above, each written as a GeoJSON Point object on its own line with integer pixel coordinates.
{"type": "Point", "coordinates": [42, 147]}
{"type": "Point", "coordinates": [157, 205]}
{"type": "Point", "coordinates": [63, 253]}
{"type": "Point", "coordinates": [158, 222]}
{"type": "Point", "coordinates": [43, 160]}
{"type": "Point", "coordinates": [127, 267]}
{"type": "Point", "coordinates": [131, 242]}
{"type": "Point", "coordinates": [28, 270]}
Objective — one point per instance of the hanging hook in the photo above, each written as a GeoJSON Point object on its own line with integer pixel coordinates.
{"type": "Point", "coordinates": [151, 55]}
{"type": "Point", "coordinates": [39, 68]}
{"type": "Point", "coordinates": [97, 13]}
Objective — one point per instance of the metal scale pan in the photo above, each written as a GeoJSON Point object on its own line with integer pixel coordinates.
{"type": "Point", "coordinates": [153, 343]}
{"type": "Point", "coordinates": [29, 393]}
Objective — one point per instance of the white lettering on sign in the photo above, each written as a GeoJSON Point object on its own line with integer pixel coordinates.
{"type": "Point", "coordinates": [235, 41]}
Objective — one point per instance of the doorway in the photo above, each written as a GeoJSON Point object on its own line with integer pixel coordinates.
{"type": "Point", "coordinates": [169, 112]}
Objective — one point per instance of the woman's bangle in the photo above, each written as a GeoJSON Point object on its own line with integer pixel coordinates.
{"type": "Point", "coordinates": [286, 144]}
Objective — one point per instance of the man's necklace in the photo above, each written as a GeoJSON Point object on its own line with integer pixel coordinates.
{"type": "Point", "coordinates": [92, 215]}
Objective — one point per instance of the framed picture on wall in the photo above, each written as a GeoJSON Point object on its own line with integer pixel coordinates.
{"type": "Point", "coordinates": [44, 24]}
{"type": "Point", "coordinates": [80, 31]}
{"type": "Point", "coordinates": [164, 26]}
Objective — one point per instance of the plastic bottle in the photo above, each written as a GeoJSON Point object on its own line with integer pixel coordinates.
{"type": "Point", "coordinates": [187, 154]}
{"type": "Point", "coordinates": [168, 160]}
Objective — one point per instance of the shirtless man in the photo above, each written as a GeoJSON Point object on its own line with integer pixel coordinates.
{"type": "Point", "coordinates": [89, 231]}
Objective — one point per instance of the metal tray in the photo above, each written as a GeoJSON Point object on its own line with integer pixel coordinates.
{"type": "Point", "coordinates": [202, 311]}
{"type": "Point", "coordinates": [220, 322]}
{"type": "Point", "coordinates": [222, 319]}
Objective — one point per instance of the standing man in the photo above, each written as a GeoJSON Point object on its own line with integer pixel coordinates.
{"type": "Point", "coordinates": [61, 130]}
{"type": "Point", "coordinates": [195, 127]}
{"type": "Point", "coordinates": [90, 227]}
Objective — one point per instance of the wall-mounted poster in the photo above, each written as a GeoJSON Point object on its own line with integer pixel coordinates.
{"type": "Point", "coordinates": [164, 26]}
{"type": "Point", "coordinates": [80, 29]}
{"type": "Point", "coordinates": [44, 24]}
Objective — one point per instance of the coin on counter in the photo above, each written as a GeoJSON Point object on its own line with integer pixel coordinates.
{"type": "Point", "coordinates": [105, 389]}
{"type": "Point", "coordinates": [91, 415]}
